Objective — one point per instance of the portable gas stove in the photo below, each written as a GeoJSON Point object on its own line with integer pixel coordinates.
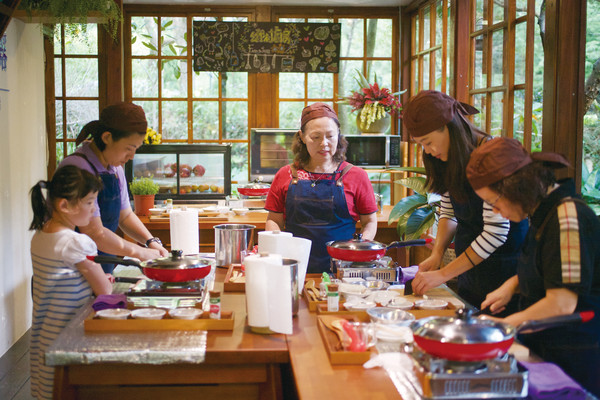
{"type": "Point", "coordinates": [166, 294]}
{"type": "Point", "coordinates": [379, 269]}
{"type": "Point", "coordinates": [496, 378]}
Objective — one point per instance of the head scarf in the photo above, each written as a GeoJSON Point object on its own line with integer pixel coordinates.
{"type": "Point", "coordinates": [501, 157]}
{"type": "Point", "coordinates": [318, 110]}
{"type": "Point", "coordinates": [430, 110]}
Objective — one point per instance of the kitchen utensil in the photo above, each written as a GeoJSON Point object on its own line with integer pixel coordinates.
{"type": "Point", "coordinates": [464, 338]}
{"type": "Point", "coordinates": [362, 335]}
{"type": "Point", "coordinates": [173, 268]}
{"type": "Point", "coordinates": [334, 324]}
{"type": "Point", "coordinates": [408, 290]}
{"type": "Point", "coordinates": [390, 316]}
{"type": "Point", "coordinates": [361, 250]}
{"type": "Point", "coordinates": [230, 241]}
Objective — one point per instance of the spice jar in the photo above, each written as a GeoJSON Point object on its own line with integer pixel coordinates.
{"type": "Point", "coordinates": [333, 297]}
{"type": "Point", "coordinates": [215, 304]}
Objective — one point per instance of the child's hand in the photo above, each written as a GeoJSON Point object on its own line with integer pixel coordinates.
{"type": "Point", "coordinates": [110, 278]}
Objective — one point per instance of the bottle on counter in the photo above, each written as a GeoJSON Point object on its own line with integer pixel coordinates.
{"type": "Point", "coordinates": [169, 204]}
{"type": "Point", "coordinates": [333, 297]}
{"type": "Point", "coordinates": [215, 304]}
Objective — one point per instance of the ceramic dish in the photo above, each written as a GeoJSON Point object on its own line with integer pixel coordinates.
{"type": "Point", "coordinates": [240, 211]}
{"type": "Point", "coordinates": [401, 303]}
{"type": "Point", "coordinates": [390, 316]}
{"type": "Point", "coordinates": [431, 304]}
{"type": "Point", "coordinates": [148, 313]}
{"type": "Point", "coordinates": [113, 313]}
{"type": "Point", "coordinates": [185, 313]}
{"type": "Point", "coordinates": [157, 211]}
{"type": "Point", "coordinates": [359, 305]}
{"type": "Point", "coordinates": [349, 289]}
{"type": "Point", "coordinates": [383, 297]}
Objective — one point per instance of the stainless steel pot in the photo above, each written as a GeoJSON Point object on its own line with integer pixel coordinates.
{"type": "Point", "coordinates": [230, 241]}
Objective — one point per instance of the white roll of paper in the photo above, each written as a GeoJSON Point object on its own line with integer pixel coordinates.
{"type": "Point", "coordinates": [272, 242]}
{"type": "Point", "coordinates": [184, 230]}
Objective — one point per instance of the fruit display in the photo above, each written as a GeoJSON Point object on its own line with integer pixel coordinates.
{"type": "Point", "coordinates": [199, 170]}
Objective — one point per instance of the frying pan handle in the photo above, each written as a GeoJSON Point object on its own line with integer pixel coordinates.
{"type": "Point", "coordinates": [114, 260]}
{"type": "Point", "coordinates": [406, 243]}
{"type": "Point", "coordinates": [545, 323]}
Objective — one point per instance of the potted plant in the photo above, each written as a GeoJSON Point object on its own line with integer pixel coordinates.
{"type": "Point", "coordinates": [143, 191]}
{"type": "Point", "coordinates": [375, 105]}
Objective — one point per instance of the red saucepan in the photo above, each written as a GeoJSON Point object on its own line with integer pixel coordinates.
{"type": "Point", "coordinates": [361, 250]}
{"type": "Point", "coordinates": [173, 268]}
{"type": "Point", "coordinates": [466, 338]}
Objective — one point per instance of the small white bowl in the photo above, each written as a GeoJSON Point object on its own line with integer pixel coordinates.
{"type": "Point", "coordinates": [185, 313]}
{"type": "Point", "coordinates": [401, 303]}
{"type": "Point", "coordinates": [113, 313]}
{"type": "Point", "coordinates": [359, 305]}
{"type": "Point", "coordinates": [157, 211]}
{"type": "Point", "coordinates": [148, 313]}
{"type": "Point", "coordinates": [240, 211]}
{"type": "Point", "coordinates": [431, 304]}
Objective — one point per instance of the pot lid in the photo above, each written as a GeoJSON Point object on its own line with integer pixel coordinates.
{"type": "Point", "coordinates": [176, 260]}
{"type": "Point", "coordinates": [463, 328]}
{"type": "Point", "coordinates": [255, 184]}
{"type": "Point", "coordinates": [358, 243]}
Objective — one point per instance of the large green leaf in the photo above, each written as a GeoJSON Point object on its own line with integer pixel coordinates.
{"type": "Point", "coordinates": [415, 183]}
{"type": "Point", "coordinates": [407, 205]}
{"type": "Point", "coordinates": [419, 221]}
{"type": "Point", "coordinates": [401, 227]}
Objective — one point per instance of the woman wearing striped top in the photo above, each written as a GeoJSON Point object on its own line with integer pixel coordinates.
{"type": "Point", "coordinates": [559, 269]}
{"type": "Point", "coordinates": [486, 244]}
{"type": "Point", "coordinates": [63, 278]}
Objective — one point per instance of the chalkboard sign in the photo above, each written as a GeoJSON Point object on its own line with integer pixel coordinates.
{"type": "Point", "coordinates": [266, 46]}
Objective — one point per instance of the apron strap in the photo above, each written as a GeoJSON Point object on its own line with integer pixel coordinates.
{"type": "Point", "coordinates": [86, 159]}
{"type": "Point", "coordinates": [294, 174]}
{"type": "Point", "coordinates": [538, 234]}
{"type": "Point", "coordinates": [348, 167]}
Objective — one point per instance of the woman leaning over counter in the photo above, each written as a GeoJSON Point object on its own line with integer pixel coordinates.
{"type": "Point", "coordinates": [486, 244]}
{"type": "Point", "coordinates": [559, 269]}
{"type": "Point", "coordinates": [115, 137]}
{"type": "Point", "coordinates": [320, 196]}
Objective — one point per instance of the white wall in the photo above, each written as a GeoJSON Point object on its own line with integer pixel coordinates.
{"type": "Point", "coordinates": [23, 160]}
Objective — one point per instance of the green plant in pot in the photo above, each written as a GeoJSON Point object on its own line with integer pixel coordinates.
{"type": "Point", "coordinates": [416, 213]}
{"type": "Point", "coordinates": [143, 191]}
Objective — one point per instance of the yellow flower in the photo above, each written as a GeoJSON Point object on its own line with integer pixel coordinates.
{"type": "Point", "coordinates": [152, 137]}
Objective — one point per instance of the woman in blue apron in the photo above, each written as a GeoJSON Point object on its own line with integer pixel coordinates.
{"type": "Point", "coordinates": [559, 269]}
{"type": "Point", "coordinates": [320, 196]}
{"type": "Point", "coordinates": [486, 245]}
{"type": "Point", "coordinates": [114, 138]}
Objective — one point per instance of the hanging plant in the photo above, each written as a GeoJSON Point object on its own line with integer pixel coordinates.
{"type": "Point", "coordinates": [69, 12]}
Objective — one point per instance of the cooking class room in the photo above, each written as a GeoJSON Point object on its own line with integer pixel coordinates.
{"type": "Point", "coordinates": [273, 199]}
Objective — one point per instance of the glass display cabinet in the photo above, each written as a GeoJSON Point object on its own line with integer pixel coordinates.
{"type": "Point", "coordinates": [184, 171]}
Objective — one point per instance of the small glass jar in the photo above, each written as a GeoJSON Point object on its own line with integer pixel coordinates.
{"type": "Point", "coordinates": [215, 304]}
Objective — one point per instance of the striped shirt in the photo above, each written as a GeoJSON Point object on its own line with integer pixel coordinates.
{"type": "Point", "coordinates": [59, 290]}
{"type": "Point", "coordinates": [495, 227]}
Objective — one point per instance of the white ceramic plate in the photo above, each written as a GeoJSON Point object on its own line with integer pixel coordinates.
{"type": "Point", "coordinates": [113, 313]}
{"type": "Point", "coordinates": [431, 304]}
{"type": "Point", "coordinates": [240, 211]}
{"type": "Point", "coordinates": [359, 305]}
{"type": "Point", "coordinates": [349, 289]}
{"type": "Point", "coordinates": [148, 313]}
{"type": "Point", "coordinates": [185, 313]}
{"type": "Point", "coordinates": [383, 297]}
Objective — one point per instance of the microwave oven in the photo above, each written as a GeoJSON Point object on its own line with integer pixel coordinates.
{"type": "Point", "coordinates": [374, 151]}
{"type": "Point", "coordinates": [270, 149]}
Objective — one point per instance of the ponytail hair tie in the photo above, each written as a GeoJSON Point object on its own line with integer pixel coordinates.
{"type": "Point", "coordinates": [43, 184]}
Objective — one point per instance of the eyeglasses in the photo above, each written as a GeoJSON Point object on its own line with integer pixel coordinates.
{"type": "Point", "coordinates": [493, 204]}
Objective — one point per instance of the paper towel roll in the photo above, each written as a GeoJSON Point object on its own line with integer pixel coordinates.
{"type": "Point", "coordinates": [184, 230]}
{"type": "Point", "coordinates": [272, 242]}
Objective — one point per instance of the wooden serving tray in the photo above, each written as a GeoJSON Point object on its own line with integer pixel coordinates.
{"type": "Point", "coordinates": [331, 342]}
{"type": "Point", "coordinates": [229, 286]}
{"type": "Point", "coordinates": [449, 311]}
{"type": "Point", "coordinates": [204, 323]}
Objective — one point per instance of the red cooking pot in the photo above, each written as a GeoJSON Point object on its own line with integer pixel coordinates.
{"type": "Point", "coordinates": [173, 268]}
{"type": "Point", "coordinates": [466, 338]}
{"type": "Point", "coordinates": [361, 250]}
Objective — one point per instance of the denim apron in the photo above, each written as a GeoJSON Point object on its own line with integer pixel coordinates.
{"type": "Point", "coordinates": [109, 202]}
{"type": "Point", "coordinates": [317, 210]}
{"type": "Point", "coordinates": [575, 348]}
{"type": "Point", "coordinates": [476, 283]}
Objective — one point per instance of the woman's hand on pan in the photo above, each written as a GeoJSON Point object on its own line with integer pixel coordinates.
{"type": "Point", "coordinates": [430, 263]}
{"type": "Point", "coordinates": [145, 254]}
{"type": "Point", "coordinates": [163, 252]}
{"type": "Point", "coordinates": [427, 280]}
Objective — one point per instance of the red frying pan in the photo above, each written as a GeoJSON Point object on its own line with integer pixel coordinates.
{"type": "Point", "coordinates": [361, 250]}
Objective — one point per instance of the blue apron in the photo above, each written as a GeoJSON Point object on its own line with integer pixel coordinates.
{"type": "Point", "coordinates": [109, 202]}
{"type": "Point", "coordinates": [317, 210]}
{"type": "Point", "coordinates": [575, 348]}
{"type": "Point", "coordinates": [476, 283]}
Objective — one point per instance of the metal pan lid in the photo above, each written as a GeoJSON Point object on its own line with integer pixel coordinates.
{"type": "Point", "coordinates": [358, 243]}
{"type": "Point", "coordinates": [176, 260]}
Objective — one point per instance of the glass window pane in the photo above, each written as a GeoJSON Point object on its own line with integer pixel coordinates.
{"type": "Point", "coordinates": [289, 114]}
{"type": "Point", "coordinates": [291, 85]}
{"type": "Point", "coordinates": [479, 70]}
{"type": "Point", "coordinates": [174, 78]}
{"type": "Point", "coordinates": [521, 6]}
{"type": "Point", "coordinates": [347, 120]}
{"type": "Point", "coordinates": [347, 76]}
{"type": "Point", "coordinates": [480, 15]}
{"type": "Point", "coordinates": [292, 20]}
{"type": "Point", "coordinates": [235, 84]}
{"type": "Point", "coordinates": [144, 36]}
{"type": "Point", "coordinates": [415, 71]}
{"type": "Point", "coordinates": [500, 11]}
{"type": "Point", "coordinates": [206, 126]}
{"type": "Point", "coordinates": [417, 34]}
{"type": "Point", "coordinates": [57, 39]}
{"type": "Point", "coordinates": [383, 70]}
{"type": "Point", "coordinates": [520, 52]}
{"type": "Point", "coordinates": [206, 84]}
{"type": "Point", "coordinates": [497, 58]}
{"type": "Point", "coordinates": [352, 37]}
{"type": "Point", "coordinates": [438, 69]}
{"type": "Point", "coordinates": [239, 162]}
{"type": "Point", "coordinates": [319, 20]}
{"type": "Point", "coordinates": [79, 113]}
{"type": "Point", "coordinates": [425, 64]}
{"type": "Point", "coordinates": [379, 37]}
{"type": "Point", "coordinates": [439, 23]}
{"type": "Point", "coordinates": [235, 19]}
{"type": "Point", "coordinates": [151, 111]}
{"type": "Point", "coordinates": [81, 75]}
{"type": "Point", "coordinates": [497, 123]}
{"type": "Point", "coordinates": [144, 79]}
{"type": "Point", "coordinates": [174, 120]}
{"type": "Point", "coordinates": [479, 103]}
{"type": "Point", "coordinates": [426, 29]}
{"type": "Point", "coordinates": [58, 77]}
{"type": "Point", "coordinates": [519, 112]}
{"type": "Point", "coordinates": [320, 86]}
{"type": "Point", "coordinates": [235, 115]}
{"type": "Point", "coordinates": [58, 107]}
{"type": "Point", "coordinates": [173, 36]}
{"type": "Point", "coordinates": [81, 39]}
